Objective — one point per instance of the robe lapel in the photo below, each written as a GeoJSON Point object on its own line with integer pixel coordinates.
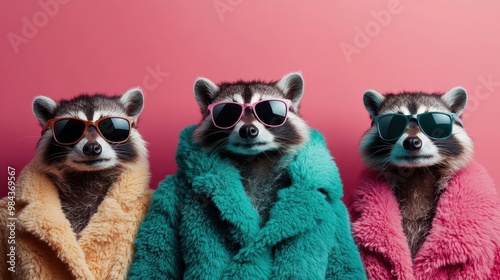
{"type": "Point", "coordinates": [228, 195]}
{"type": "Point", "coordinates": [296, 211]}
{"type": "Point", "coordinates": [461, 242]}
{"type": "Point", "coordinates": [465, 230]}
{"type": "Point", "coordinates": [114, 224]}
{"type": "Point", "coordinates": [377, 226]}
{"type": "Point", "coordinates": [300, 207]}
{"type": "Point", "coordinates": [307, 201]}
{"type": "Point", "coordinates": [216, 178]}
{"type": "Point", "coordinates": [42, 217]}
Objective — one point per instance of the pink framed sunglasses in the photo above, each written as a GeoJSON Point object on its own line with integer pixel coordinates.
{"type": "Point", "coordinates": [270, 112]}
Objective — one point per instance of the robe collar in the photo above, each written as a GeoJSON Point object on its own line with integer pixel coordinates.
{"type": "Point", "coordinates": [464, 229]}
{"type": "Point", "coordinates": [40, 214]}
{"type": "Point", "coordinates": [299, 207]}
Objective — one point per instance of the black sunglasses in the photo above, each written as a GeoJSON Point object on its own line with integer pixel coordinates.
{"type": "Point", "coordinates": [270, 112]}
{"type": "Point", "coordinates": [68, 131]}
{"type": "Point", "coordinates": [435, 125]}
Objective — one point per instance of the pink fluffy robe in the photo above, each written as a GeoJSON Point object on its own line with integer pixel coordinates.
{"type": "Point", "coordinates": [464, 242]}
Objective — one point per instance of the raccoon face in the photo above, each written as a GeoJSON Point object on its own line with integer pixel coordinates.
{"type": "Point", "coordinates": [414, 148]}
{"type": "Point", "coordinates": [92, 152]}
{"type": "Point", "coordinates": [249, 135]}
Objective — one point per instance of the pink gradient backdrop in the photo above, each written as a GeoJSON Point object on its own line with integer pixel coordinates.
{"type": "Point", "coordinates": [109, 46]}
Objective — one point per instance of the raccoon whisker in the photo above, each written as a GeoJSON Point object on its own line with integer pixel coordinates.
{"type": "Point", "coordinates": [385, 142]}
{"type": "Point", "coordinates": [373, 155]}
{"type": "Point", "coordinates": [66, 148]}
{"type": "Point", "coordinates": [82, 188]}
{"type": "Point", "coordinates": [61, 146]}
{"type": "Point", "coordinates": [378, 164]}
{"type": "Point", "coordinates": [267, 156]}
{"type": "Point", "coordinates": [381, 146]}
{"type": "Point", "coordinates": [429, 170]}
{"type": "Point", "coordinates": [56, 156]}
{"type": "Point", "coordinates": [283, 143]}
{"type": "Point", "coordinates": [55, 159]}
{"type": "Point", "coordinates": [218, 145]}
{"type": "Point", "coordinates": [382, 171]}
{"type": "Point", "coordinates": [120, 148]}
{"type": "Point", "coordinates": [386, 166]}
{"type": "Point", "coordinates": [444, 149]}
{"type": "Point", "coordinates": [381, 149]}
{"type": "Point", "coordinates": [214, 132]}
{"type": "Point", "coordinates": [215, 146]}
{"type": "Point", "coordinates": [282, 153]}
{"type": "Point", "coordinates": [376, 154]}
{"type": "Point", "coordinates": [381, 164]}
{"type": "Point", "coordinates": [59, 153]}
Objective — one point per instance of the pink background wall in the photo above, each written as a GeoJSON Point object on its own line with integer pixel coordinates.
{"type": "Point", "coordinates": [107, 46]}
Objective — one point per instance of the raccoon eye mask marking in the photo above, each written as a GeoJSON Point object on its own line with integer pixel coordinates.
{"type": "Point", "coordinates": [413, 129]}
{"type": "Point", "coordinates": [250, 117]}
{"type": "Point", "coordinates": [90, 132]}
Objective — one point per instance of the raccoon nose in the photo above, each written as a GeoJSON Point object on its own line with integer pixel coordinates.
{"type": "Point", "coordinates": [412, 143]}
{"type": "Point", "coordinates": [249, 131]}
{"type": "Point", "coordinates": [92, 149]}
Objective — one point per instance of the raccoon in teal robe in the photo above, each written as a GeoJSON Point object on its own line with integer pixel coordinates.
{"type": "Point", "coordinates": [205, 223]}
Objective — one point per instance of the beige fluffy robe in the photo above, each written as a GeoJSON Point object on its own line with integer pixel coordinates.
{"type": "Point", "coordinates": [47, 247]}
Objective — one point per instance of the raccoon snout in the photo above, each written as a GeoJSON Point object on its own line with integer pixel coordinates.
{"type": "Point", "coordinates": [412, 143]}
{"type": "Point", "coordinates": [92, 149]}
{"type": "Point", "coordinates": [249, 131]}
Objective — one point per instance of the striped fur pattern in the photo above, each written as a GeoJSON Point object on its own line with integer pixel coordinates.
{"type": "Point", "coordinates": [261, 160]}
{"type": "Point", "coordinates": [417, 177]}
{"type": "Point", "coordinates": [83, 180]}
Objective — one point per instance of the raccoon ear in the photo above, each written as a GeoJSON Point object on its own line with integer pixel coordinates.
{"type": "Point", "coordinates": [373, 100]}
{"type": "Point", "coordinates": [204, 92]}
{"type": "Point", "coordinates": [44, 108]}
{"type": "Point", "coordinates": [293, 86]}
{"type": "Point", "coordinates": [133, 101]}
{"type": "Point", "coordinates": [456, 99]}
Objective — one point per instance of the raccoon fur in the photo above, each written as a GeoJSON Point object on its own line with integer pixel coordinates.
{"type": "Point", "coordinates": [417, 176]}
{"type": "Point", "coordinates": [262, 160]}
{"type": "Point", "coordinates": [83, 178]}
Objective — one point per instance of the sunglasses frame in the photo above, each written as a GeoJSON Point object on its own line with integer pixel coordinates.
{"type": "Point", "coordinates": [50, 124]}
{"type": "Point", "coordinates": [453, 118]}
{"type": "Point", "coordinates": [287, 102]}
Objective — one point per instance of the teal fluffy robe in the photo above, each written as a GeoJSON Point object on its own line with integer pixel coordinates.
{"type": "Point", "coordinates": [202, 225]}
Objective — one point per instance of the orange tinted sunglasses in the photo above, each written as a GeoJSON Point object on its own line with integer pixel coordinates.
{"type": "Point", "coordinates": [70, 130]}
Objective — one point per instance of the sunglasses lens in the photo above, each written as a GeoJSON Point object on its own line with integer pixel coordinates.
{"type": "Point", "coordinates": [114, 129]}
{"type": "Point", "coordinates": [436, 125]}
{"type": "Point", "coordinates": [68, 131]}
{"type": "Point", "coordinates": [271, 112]}
{"type": "Point", "coordinates": [226, 115]}
{"type": "Point", "coordinates": [391, 127]}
